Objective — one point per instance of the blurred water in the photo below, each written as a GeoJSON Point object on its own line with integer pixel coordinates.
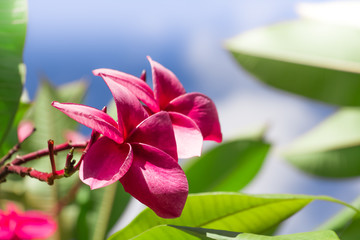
{"type": "Point", "coordinates": [66, 40]}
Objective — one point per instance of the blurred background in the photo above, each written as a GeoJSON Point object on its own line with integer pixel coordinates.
{"type": "Point", "coordinates": [66, 40]}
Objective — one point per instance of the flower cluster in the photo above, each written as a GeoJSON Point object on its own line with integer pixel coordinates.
{"type": "Point", "coordinates": [154, 129]}
{"type": "Point", "coordinates": [15, 224]}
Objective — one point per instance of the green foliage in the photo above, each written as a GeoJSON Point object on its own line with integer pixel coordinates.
{"type": "Point", "coordinates": [168, 232]}
{"type": "Point", "coordinates": [230, 166]}
{"type": "Point", "coordinates": [313, 59]}
{"type": "Point", "coordinates": [13, 19]}
{"type": "Point", "coordinates": [11, 138]}
{"type": "Point", "coordinates": [226, 211]}
{"type": "Point", "coordinates": [100, 210]}
{"type": "Point", "coordinates": [346, 223]}
{"type": "Point", "coordinates": [331, 149]}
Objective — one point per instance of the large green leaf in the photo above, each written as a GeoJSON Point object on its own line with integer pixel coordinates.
{"type": "Point", "coordinates": [100, 210]}
{"type": "Point", "coordinates": [229, 166]}
{"type": "Point", "coordinates": [331, 149]}
{"type": "Point", "coordinates": [11, 138]}
{"type": "Point", "coordinates": [346, 223]}
{"type": "Point", "coordinates": [13, 19]}
{"type": "Point", "coordinates": [226, 211]}
{"type": "Point", "coordinates": [309, 58]}
{"type": "Point", "coordinates": [169, 232]}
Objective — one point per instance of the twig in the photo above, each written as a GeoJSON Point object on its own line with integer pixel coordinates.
{"type": "Point", "coordinates": [13, 150]}
{"type": "Point", "coordinates": [51, 155]}
{"type": "Point", "coordinates": [44, 152]}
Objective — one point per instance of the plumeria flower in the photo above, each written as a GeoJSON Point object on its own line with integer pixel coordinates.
{"type": "Point", "coordinates": [193, 115]}
{"type": "Point", "coordinates": [16, 225]}
{"type": "Point", "coordinates": [139, 150]}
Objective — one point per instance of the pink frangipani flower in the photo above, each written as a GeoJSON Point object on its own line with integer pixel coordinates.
{"type": "Point", "coordinates": [16, 225]}
{"type": "Point", "coordinates": [193, 115]}
{"type": "Point", "coordinates": [139, 150]}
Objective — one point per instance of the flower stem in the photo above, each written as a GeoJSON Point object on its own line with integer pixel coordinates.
{"type": "Point", "coordinates": [13, 150]}
{"type": "Point", "coordinates": [51, 155]}
{"type": "Point", "coordinates": [14, 166]}
{"type": "Point", "coordinates": [44, 152]}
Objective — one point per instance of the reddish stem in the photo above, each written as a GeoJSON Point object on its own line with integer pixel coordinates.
{"type": "Point", "coordinates": [13, 150]}
{"type": "Point", "coordinates": [44, 152]}
{"type": "Point", "coordinates": [14, 167]}
{"type": "Point", "coordinates": [51, 155]}
{"type": "Point", "coordinates": [26, 171]}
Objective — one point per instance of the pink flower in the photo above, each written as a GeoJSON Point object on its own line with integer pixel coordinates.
{"type": "Point", "coordinates": [193, 115]}
{"type": "Point", "coordinates": [15, 225]}
{"type": "Point", "coordinates": [138, 150]}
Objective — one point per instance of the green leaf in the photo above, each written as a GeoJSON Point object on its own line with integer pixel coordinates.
{"type": "Point", "coordinates": [313, 59]}
{"type": "Point", "coordinates": [227, 211]}
{"type": "Point", "coordinates": [331, 149]}
{"type": "Point", "coordinates": [229, 166]}
{"type": "Point", "coordinates": [319, 235]}
{"type": "Point", "coordinates": [12, 139]}
{"type": "Point", "coordinates": [13, 19]}
{"type": "Point", "coordinates": [169, 232]}
{"type": "Point", "coordinates": [346, 223]}
{"type": "Point", "coordinates": [100, 211]}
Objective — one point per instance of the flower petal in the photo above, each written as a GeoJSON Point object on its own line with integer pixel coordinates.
{"type": "Point", "coordinates": [105, 163]}
{"type": "Point", "coordinates": [137, 86]}
{"type": "Point", "coordinates": [24, 130]}
{"type": "Point", "coordinates": [35, 225]}
{"type": "Point", "coordinates": [92, 118]}
{"type": "Point", "coordinates": [129, 109]}
{"type": "Point", "coordinates": [156, 180]}
{"type": "Point", "coordinates": [166, 85]}
{"type": "Point", "coordinates": [189, 139]}
{"type": "Point", "coordinates": [202, 110]}
{"type": "Point", "coordinates": [143, 75]}
{"type": "Point", "coordinates": [75, 136]}
{"type": "Point", "coordinates": [7, 226]}
{"type": "Point", "coordinates": [157, 131]}
{"type": "Point", "coordinates": [5, 233]}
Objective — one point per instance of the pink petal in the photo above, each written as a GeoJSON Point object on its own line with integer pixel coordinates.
{"type": "Point", "coordinates": [35, 225]}
{"type": "Point", "coordinates": [156, 131]}
{"type": "Point", "coordinates": [74, 136]}
{"type": "Point", "coordinates": [137, 86]}
{"type": "Point", "coordinates": [156, 180]}
{"type": "Point", "coordinates": [202, 110]}
{"type": "Point", "coordinates": [143, 75]}
{"type": "Point", "coordinates": [92, 118]}
{"type": "Point", "coordinates": [105, 163]}
{"type": "Point", "coordinates": [129, 109]}
{"type": "Point", "coordinates": [25, 129]}
{"type": "Point", "coordinates": [166, 85]}
{"type": "Point", "coordinates": [7, 226]}
{"type": "Point", "coordinates": [6, 234]}
{"type": "Point", "coordinates": [188, 136]}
